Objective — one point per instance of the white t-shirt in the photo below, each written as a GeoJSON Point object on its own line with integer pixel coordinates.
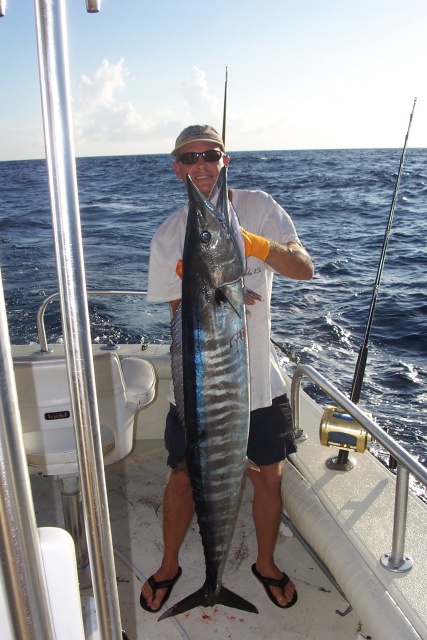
{"type": "Point", "coordinates": [257, 213]}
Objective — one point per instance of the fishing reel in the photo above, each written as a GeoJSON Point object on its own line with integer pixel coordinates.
{"type": "Point", "coordinates": [338, 429]}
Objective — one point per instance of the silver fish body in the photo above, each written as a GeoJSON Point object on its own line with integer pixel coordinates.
{"type": "Point", "coordinates": [213, 399]}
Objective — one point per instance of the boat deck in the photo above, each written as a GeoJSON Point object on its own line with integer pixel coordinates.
{"type": "Point", "coordinates": [135, 489]}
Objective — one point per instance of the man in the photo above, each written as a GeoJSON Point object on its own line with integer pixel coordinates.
{"type": "Point", "coordinates": [271, 245]}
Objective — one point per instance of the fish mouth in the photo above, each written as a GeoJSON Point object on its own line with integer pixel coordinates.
{"type": "Point", "coordinates": [217, 202]}
{"type": "Point", "coordinates": [219, 198]}
{"type": "Point", "coordinates": [214, 234]}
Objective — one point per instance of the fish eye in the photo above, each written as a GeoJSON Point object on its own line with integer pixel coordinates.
{"type": "Point", "coordinates": [205, 236]}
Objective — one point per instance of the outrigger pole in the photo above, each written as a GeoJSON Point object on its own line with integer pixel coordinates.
{"type": "Point", "coordinates": [224, 116]}
{"type": "Point", "coordinates": [363, 353]}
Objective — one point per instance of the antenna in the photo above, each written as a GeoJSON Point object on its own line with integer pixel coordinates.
{"type": "Point", "coordinates": [224, 117]}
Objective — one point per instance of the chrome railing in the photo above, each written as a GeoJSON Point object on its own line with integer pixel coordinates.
{"type": "Point", "coordinates": [22, 572]}
{"type": "Point", "coordinates": [55, 89]}
{"type": "Point", "coordinates": [21, 567]}
{"type": "Point", "coordinates": [93, 292]}
{"type": "Point", "coordinates": [406, 464]}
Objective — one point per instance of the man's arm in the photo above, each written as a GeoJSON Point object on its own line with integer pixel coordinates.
{"type": "Point", "coordinates": [290, 260]}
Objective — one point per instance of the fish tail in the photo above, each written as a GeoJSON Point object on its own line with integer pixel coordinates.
{"type": "Point", "coordinates": [231, 599]}
{"type": "Point", "coordinates": [194, 600]}
{"type": "Point", "coordinates": [200, 598]}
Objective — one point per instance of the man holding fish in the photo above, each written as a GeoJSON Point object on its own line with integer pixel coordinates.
{"type": "Point", "coordinates": [271, 245]}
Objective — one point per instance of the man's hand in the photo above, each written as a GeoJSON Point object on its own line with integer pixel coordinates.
{"type": "Point", "coordinates": [179, 268]}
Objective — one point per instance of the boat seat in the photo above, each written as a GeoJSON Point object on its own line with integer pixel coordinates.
{"type": "Point", "coordinates": [45, 408]}
{"type": "Point", "coordinates": [48, 430]}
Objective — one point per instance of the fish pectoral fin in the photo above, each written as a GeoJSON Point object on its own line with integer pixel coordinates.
{"type": "Point", "coordinates": [202, 598]}
{"type": "Point", "coordinates": [253, 466]}
{"type": "Point", "coordinates": [220, 297]}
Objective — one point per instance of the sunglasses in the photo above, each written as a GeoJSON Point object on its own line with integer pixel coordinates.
{"type": "Point", "coordinates": [191, 157]}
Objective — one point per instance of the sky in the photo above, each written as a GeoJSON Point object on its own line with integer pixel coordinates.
{"type": "Point", "coordinates": [312, 74]}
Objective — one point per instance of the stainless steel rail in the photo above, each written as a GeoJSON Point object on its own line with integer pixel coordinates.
{"type": "Point", "coordinates": [94, 292]}
{"type": "Point", "coordinates": [24, 584]}
{"type": "Point", "coordinates": [58, 132]}
{"type": "Point", "coordinates": [394, 560]}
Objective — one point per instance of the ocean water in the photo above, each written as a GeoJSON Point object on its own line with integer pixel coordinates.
{"type": "Point", "coordinates": [340, 202]}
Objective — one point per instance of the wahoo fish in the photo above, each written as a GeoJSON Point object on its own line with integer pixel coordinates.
{"type": "Point", "coordinates": [211, 381]}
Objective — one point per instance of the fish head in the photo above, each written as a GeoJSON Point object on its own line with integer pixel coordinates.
{"type": "Point", "coordinates": [214, 245]}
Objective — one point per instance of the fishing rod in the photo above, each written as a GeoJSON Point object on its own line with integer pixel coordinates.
{"type": "Point", "coordinates": [288, 353]}
{"type": "Point", "coordinates": [282, 348]}
{"type": "Point", "coordinates": [363, 353]}
{"type": "Point", "coordinates": [224, 116]}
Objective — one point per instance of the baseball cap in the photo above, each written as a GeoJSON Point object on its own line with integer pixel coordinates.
{"type": "Point", "coordinates": [197, 133]}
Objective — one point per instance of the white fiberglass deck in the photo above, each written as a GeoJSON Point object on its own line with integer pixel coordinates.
{"type": "Point", "coordinates": [135, 488]}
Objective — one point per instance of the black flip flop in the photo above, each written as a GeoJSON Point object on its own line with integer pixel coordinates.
{"type": "Point", "coordinates": [273, 582]}
{"type": "Point", "coordinates": [163, 584]}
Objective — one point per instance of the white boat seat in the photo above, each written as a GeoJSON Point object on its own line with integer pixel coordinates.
{"type": "Point", "coordinates": [45, 408]}
{"type": "Point", "coordinates": [57, 447]}
{"type": "Point", "coordinates": [48, 430]}
{"type": "Point", "coordinates": [140, 380]}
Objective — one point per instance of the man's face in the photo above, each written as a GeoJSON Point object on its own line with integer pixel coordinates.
{"type": "Point", "coordinates": [203, 174]}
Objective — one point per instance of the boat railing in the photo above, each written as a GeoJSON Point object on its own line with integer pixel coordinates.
{"type": "Point", "coordinates": [25, 586]}
{"type": "Point", "coordinates": [55, 89]}
{"type": "Point", "coordinates": [93, 292]}
{"type": "Point", "coordinates": [396, 560]}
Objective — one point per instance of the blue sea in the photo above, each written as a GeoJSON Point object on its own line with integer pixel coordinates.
{"type": "Point", "coordinates": [340, 202]}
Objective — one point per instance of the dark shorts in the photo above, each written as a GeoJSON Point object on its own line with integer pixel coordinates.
{"type": "Point", "coordinates": [271, 434]}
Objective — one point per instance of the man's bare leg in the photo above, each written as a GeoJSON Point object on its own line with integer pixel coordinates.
{"type": "Point", "coordinates": [266, 511]}
{"type": "Point", "coordinates": [177, 515]}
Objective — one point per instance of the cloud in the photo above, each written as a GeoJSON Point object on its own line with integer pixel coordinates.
{"type": "Point", "coordinates": [99, 92]}
{"type": "Point", "coordinates": [100, 117]}
{"type": "Point", "coordinates": [202, 105]}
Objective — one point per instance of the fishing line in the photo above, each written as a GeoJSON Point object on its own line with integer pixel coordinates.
{"type": "Point", "coordinates": [363, 353]}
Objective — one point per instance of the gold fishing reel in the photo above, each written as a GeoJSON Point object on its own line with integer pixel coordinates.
{"type": "Point", "coordinates": [340, 430]}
